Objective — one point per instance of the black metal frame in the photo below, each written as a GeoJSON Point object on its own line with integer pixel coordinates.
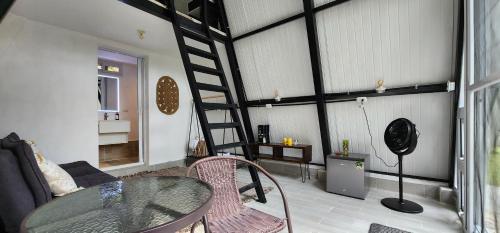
{"type": "Point", "coordinates": [5, 5]}
{"type": "Point", "coordinates": [319, 98]}
{"type": "Point", "coordinates": [163, 13]}
{"type": "Point", "coordinates": [290, 19]}
{"type": "Point", "coordinates": [205, 35]}
{"type": "Point", "coordinates": [351, 96]}
{"type": "Point", "coordinates": [319, 89]}
{"type": "Point", "coordinates": [458, 73]}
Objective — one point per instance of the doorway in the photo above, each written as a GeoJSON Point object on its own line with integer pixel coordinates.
{"type": "Point", "coordinates": [119, 83]}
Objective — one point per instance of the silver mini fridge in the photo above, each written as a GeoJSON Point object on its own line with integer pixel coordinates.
{"type": "Point", "coordinates": [348, 175]}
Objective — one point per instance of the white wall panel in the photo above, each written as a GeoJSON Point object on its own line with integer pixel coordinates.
{"type": "Point", "coordinates": [298, 122]}
{"type": "Point", "coordinates": [431, 114]}
{"type": "Point", "coordinates": [246, 15]}
{"type": "Point", "coordinates": [403, 42]}
{"type": "Point", "coordinates": [321, 2]}
{"type": "Point", "coordinates": [276, 59]}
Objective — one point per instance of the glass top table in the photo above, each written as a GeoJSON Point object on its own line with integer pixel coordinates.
{"type": "Point", "coordinates": [150, 204]}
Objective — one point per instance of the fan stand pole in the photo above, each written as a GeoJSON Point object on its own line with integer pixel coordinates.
{"type": "Point", "coordinates": [400, 175]}
{"type": "Point", "coordinates": [400, 204]}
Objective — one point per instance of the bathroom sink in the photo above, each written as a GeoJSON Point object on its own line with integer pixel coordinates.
{"type": "Point", "coordinates": [113, 132]}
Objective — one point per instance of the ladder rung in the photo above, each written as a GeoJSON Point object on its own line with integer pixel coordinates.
{"type": "Point", "coordinates": [223, 125]}
{"type": "Point", "coordinates": [214, 106]}
{"type": "Point", "coordinates": [247, 187]}
{"type": "Point", "coordinates": [195, 36]}
{"type": "Point", "coordinates": [199, 52]}
{"type": "Point", "coordinates": [229, 145]}
{"type": "Point", "coordinates": [210, 87]}
{"type": "Point", "coordinates": [204, 69]}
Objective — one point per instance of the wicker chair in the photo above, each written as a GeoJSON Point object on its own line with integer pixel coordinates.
{"type": "Point", "coordinates": [228, 214]}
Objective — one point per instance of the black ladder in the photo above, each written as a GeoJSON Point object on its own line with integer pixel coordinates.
{"type": "Point", "coordinates": [203, 34]}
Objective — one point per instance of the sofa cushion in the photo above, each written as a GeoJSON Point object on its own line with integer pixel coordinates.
{"type": "Point", "coordinates": [85, 175]}
{"type": "Point", "coordinates": [17, 198]}
{"type": "Point", "coordinates": [12, 137]}
{"type": "Point", "coordinates": [2, 227]}
{"type": "Point", "coordinates": [29, 168]}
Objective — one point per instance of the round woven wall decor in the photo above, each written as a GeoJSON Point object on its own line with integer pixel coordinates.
{"type": "Point", "coordinates": [167, 95]}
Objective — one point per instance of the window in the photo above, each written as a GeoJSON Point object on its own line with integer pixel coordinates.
{"type": "Point", "coordinates": [483, 93]}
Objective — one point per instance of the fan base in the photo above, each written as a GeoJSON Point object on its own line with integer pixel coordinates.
{"type": "Point", "coordinates": [405, 206]}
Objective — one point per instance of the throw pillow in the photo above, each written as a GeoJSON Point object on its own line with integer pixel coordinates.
{"type": "Point", "coordinates": [60, 182]}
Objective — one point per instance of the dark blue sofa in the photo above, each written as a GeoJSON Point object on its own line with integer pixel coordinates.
{"type": "Point", "coordinates": [23, 187]}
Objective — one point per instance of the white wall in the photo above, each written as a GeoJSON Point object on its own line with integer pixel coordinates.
{"type": "Point", "coordinates": [404, 42]}
{"type": "Point", "coordinates": [168, 133]}
{"type": "Point", "coordinates": [48, 88]}
{"type": "Point", "coordinates": [48, 92]}
{"type": "Point", "coordinates": [431, 113]}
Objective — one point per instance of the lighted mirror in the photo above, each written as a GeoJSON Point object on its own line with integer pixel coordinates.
{"type": "Point", "coordinates": [108, 93]}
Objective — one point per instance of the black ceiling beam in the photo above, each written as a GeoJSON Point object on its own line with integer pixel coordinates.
{"type": "Point", "coordinates": [329, 5]}
{"type": "Point", "coordinates": [289, 19]}
{"type": "Point", "coordinates": [409, 90]}
{"type": "Point", "coordinates": [456, 98]}
{"type": "Point", "coordinates": [235, 72]}
{"type": "Point", "coordinates": [286, 100]}
{"type": "Point", "coordinates": [150, 8]}
{"type": "Point", "coordinates": [348, 96]}
{"type": "Point", "coordinates": [317, 74]}
{"type": "Point", "coordinates": [267, 27]}
{"type": "Point", "coordinates": [163, 13]}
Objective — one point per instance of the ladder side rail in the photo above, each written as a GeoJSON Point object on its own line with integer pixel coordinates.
{"type": "Point", "coordinates": [192, 80]}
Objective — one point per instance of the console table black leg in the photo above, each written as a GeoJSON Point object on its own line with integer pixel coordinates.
{"type": "Point", "coordinates": [303, 173]}
{"type": "Point", "coordinates": [308, 171]}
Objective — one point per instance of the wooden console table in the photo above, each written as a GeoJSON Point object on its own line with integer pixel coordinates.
{"type": "Point", "coordinates": [278, 155]}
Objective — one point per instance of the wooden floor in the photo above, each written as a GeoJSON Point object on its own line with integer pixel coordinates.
{"type": "Point", "coordinates": [119, 154]}
{"type": "Point", "coordinates": [117, 162]}
{"type": "Point", "coordinates": [314, 210]}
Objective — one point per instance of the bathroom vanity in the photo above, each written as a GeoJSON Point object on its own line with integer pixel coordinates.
{"type": "Point", "coordinates": [113, 132]}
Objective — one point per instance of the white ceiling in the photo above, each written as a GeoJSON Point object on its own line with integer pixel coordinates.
{"type": "Point", "coordinates": [108, 19]}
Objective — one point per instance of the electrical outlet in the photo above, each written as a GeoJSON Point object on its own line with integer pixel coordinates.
{"type": "Point", "coordinates": [450, 86]}
{"type": "Point", "coordinates": [362, 101]}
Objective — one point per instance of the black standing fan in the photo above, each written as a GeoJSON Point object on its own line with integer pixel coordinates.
{"type": "Point", "coordinates": [401, 138]}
